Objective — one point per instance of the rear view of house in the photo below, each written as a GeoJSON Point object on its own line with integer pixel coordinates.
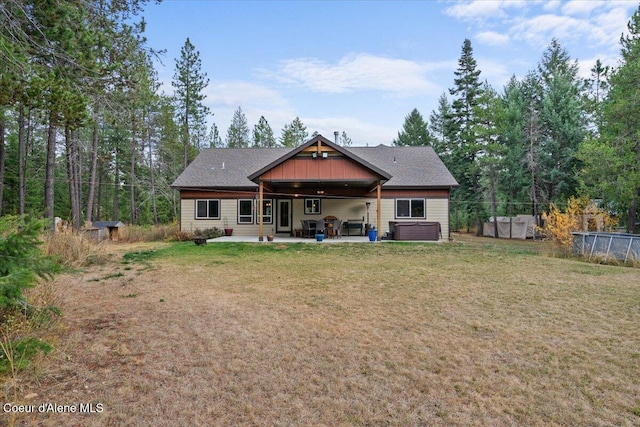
{"type": "Point", "coordinates": [258, 191]}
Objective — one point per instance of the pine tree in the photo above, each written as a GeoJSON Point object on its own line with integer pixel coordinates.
{"type": "Point", "coordinates": [440, 127]}
{"type": "Point", "coordinates": [464, 144]}
{"type": "Point", "coordinates": [613, 160]}
{"type": "Point", "coordinates": [214, 137]}
{"type": "Point", "coordinates": [519, 130]}
{"type": "Point", "coordinates": [414, 131]}
{"type": "Point", "coordinates": [294, 134]}
{"type": "Point", "coordinates": [238, 132]}
{"type": "Point", "coordinates": [263, 134]}
{"type": "Point", "coordinates": [563, 121]}
{"type": "Point", "coordinates": [345, 141]}
{"type": "Point", "coordinates": [189, 82]}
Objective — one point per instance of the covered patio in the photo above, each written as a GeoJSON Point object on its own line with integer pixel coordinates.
{"type": "Point", "coordinates": [318, 171]}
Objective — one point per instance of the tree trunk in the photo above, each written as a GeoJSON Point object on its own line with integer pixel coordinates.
{"type": "Point", "coordinates": [632, 215]}
{"type": "Point", "coordinates": [93, 166]}
{"type": "Point", "coordinates": [2, 155]}
{"type": "Point", "coordinates": [72, 176]}
{"type": "Point", "coordinates": [152, 175]}
{"type": "Point", "coordinates": [115, 213]}
{"type": "Point", "coordinates": [493, 201]}
{"type": "Point", "coordinates": [22, 161]}
{"type": "Point", "coordinates": [50, 172]}
{"type": "Point", "coordinates": [132, 173]}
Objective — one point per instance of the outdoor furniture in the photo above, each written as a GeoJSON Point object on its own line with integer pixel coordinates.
{"type": "Point", "coordinates": [307, 230]}
{"type": "Point", "coordinates": [353, 224]}
{"type": "Point", "coordinates": [200, 240]}
{"type": "Point", "coordinates": [414, 230]}
{"type": "Point", "coordinates": [332, 228]}
{"type": "Point", "coordinates": [337, 228]}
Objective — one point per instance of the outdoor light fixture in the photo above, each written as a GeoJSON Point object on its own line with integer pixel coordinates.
{"type": "Point", "coordinates": [325, 154]}
{"type": "Point", "coordinates": [314, 154]}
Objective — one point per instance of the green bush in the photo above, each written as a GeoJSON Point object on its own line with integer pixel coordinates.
{"type": "Point", "coordinates": [22, 261]}
{"type": "Point", "coordinates": [16, 355]}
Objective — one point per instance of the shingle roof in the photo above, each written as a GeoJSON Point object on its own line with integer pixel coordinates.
{"type": "Point", "coordinates": [230, 167]}
{"type": "Point", "coordinates": [408, 166]}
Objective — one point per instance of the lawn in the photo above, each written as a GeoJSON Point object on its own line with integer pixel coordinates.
{"type": "Point", "coordinates": [474, 332]}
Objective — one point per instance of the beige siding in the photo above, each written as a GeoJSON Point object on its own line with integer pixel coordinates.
{"type": "Point", "coordinates": [438, 210]}
{"type": "Point", "coordinates": [344, 209]}
{"type": "Point", "coordinates": [228, 211]}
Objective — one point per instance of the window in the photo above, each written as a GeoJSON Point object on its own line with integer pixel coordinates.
{"type": "Point", "coordinates": [245, 211]}
{"type": "Point", "coordinates": [410, 208]}
{"type": "Point", "coordinates": [311, 206]}
{"type": "Point", "coordinates": [267, 211]}
{"type": "Point", "coordinates": [207, 209]}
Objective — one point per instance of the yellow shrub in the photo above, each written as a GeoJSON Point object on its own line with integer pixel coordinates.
{"type": "Point", "coordinates": [581, 215]}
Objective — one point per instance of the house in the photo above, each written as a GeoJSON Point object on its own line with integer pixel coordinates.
{"type": "Point", "coordinates": [258, 191]}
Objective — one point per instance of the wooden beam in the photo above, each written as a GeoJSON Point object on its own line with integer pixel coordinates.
{"type": "Point", "coordinates": [379, 209]}
{"type": "Point", "coordinates": [260, 204]}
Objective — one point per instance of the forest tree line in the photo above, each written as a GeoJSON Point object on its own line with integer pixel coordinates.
{"type": "Point", "coordinates": [86, 132]}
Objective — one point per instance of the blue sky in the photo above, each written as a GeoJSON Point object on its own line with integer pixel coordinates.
{"type": "Point", "coordinates": [362, 66]}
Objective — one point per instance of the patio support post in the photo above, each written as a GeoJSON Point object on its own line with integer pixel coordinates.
{"type": "Point", "coordinates": [378, 210]}
{"type": "Point", "coordinates": [260, 205]}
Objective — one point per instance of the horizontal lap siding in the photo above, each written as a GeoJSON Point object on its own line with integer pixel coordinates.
{"type": "Point", "coordinates": [344, 209]}
{"type": "Point", "coordinates": [228, 210]}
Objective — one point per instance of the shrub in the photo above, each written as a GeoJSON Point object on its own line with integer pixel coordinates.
{"type": "Point", "coordinates": [581, 214]}
{"type": "Point", "coordinates": [15, 355]}
{"type": "Point", "coordinates": [146, 233]}
{"type": "Point", "coordinates": [74, 250]}
{"type": "Point", "coordinates": [22, 261]}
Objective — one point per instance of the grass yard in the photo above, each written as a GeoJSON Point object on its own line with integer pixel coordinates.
{"type": "Point", "coordinates": [471, 333]}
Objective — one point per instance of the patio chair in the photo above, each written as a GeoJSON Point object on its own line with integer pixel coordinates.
{"type": "Point", "coordinates": [334, 228]}
{"type": "Point", "coordinates": [306, 228]}
{"type": "Point", "coordinates": [337, 227]}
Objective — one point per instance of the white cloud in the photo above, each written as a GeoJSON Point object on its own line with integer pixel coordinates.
{"type": "Point", "coordinates": [492, 38]}
{"type": "Point", "coordinates": [581, 7]}
{"type": "Point", "coordinates": [398, 77]}
{"type": "Point", "coordinates": [539, 30]}
{"type": "Point", "coordinates": [361, 133]}
{"type": "Point", "coordinates": [552, 5]}
{"type": "Point", "coordinates": [481, 10]}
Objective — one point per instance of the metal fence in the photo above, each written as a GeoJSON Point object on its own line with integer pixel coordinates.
{"type": "Point", "coordinates": [619, 246]}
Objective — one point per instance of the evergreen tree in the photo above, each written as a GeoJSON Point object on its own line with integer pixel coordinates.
{"type": "Point", "coordinates": [214, 137]}
{"type": "Point", "coordinates": [518, 128]}
{"type": "Point", "coordinates": [414, 131]}
{"type": "Point", "coordinates": [263, 134]}
{"type": "Point", "coordinates": [189, 82]}
{"type": "Point", "coordinates": [464, 143]}
{"type": "Point", "coordinates": [563, 121]}
{"type": "Point", "coordinates": [294, 134]}
{"type": "Point", "coordinates": [440, 127]}
{"type": "Point", "coordinates": [612, 169]}
{"type": "Point", "coordinates": [238, 132]}
{"type": "Point", "coordinates": [345, 141]}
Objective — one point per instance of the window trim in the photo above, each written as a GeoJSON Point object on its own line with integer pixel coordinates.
{"type": "Point", "coordinates": [410, 200]}
{"type": "Point", "coordinates": [195, 213]}
{"type": "Point", "coordinates": [309, 212]}
{"type": "Point", "coordinates": [251, 216]}
{"type": "Point", "coordinates": [270, 221]}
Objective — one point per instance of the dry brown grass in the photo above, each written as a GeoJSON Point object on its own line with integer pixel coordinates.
{"type": "Point", "coordinates": [74, 249]}
{"type": "Point", "coordinates": [473, 333]}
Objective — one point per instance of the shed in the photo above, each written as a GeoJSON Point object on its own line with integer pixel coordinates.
{"type": "Point", "coordinates": [111, 228]}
